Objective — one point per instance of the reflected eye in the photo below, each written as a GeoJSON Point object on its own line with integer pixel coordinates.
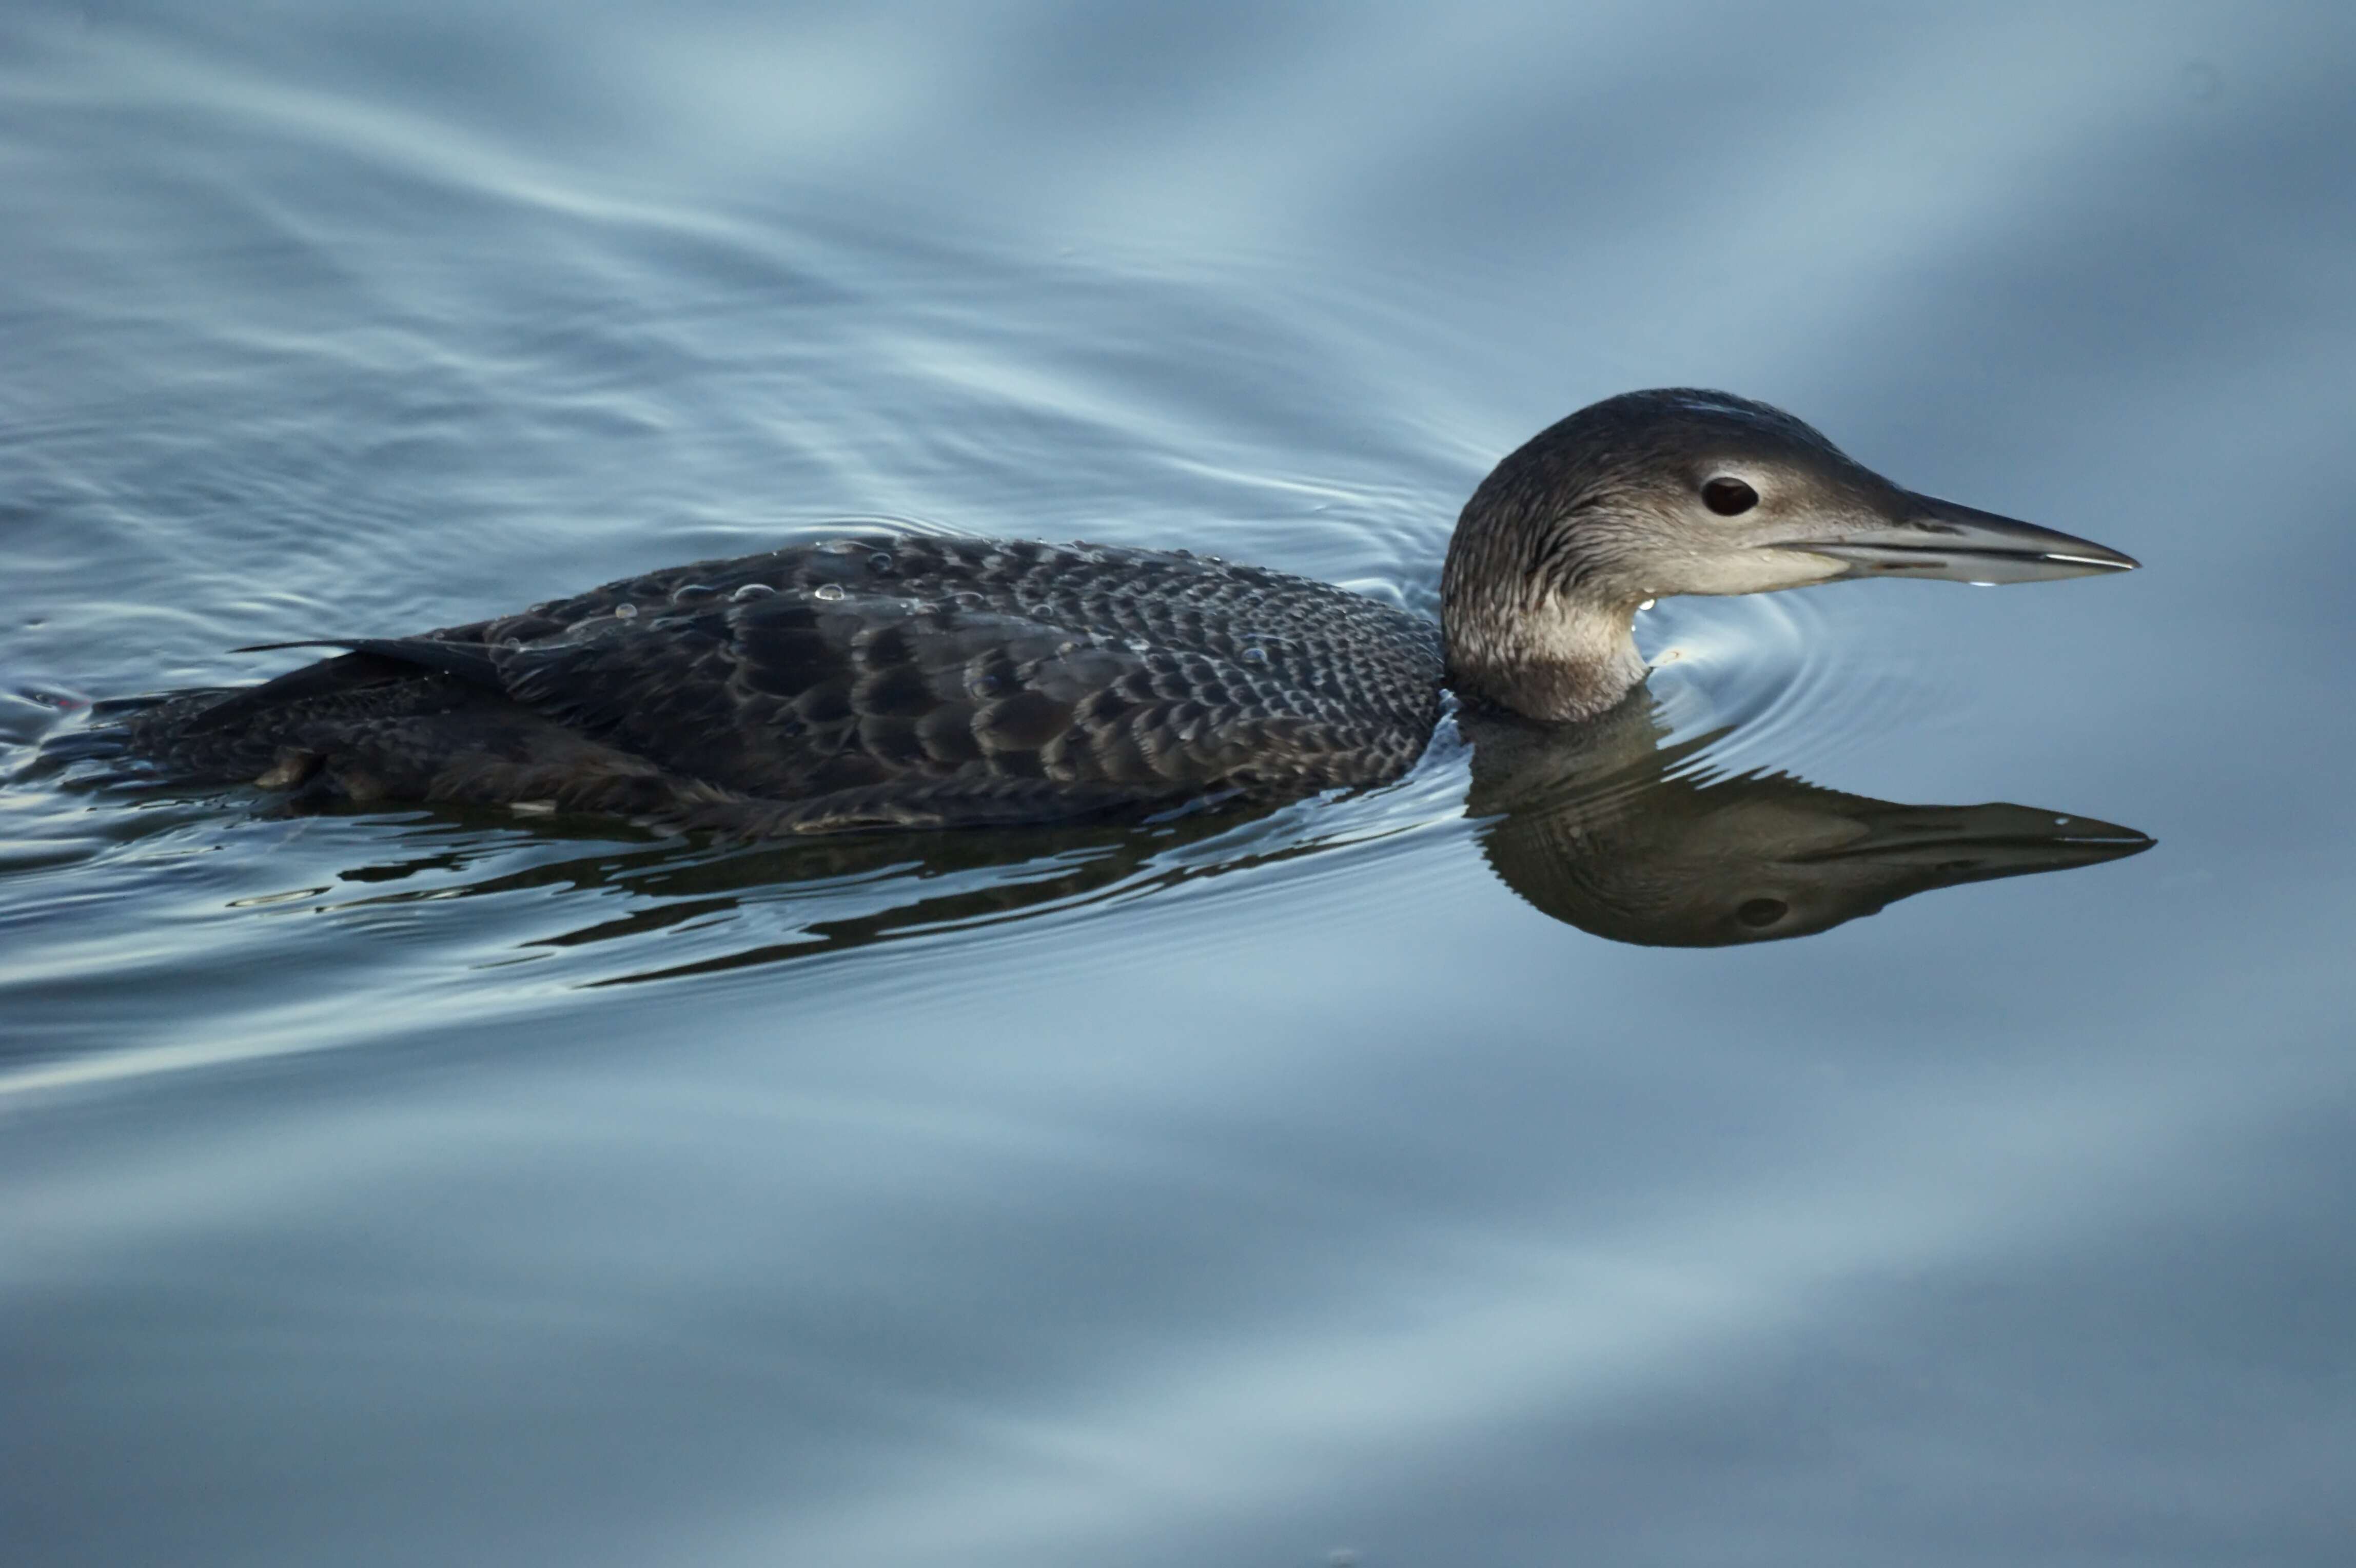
{"type": "Point", "coordinates": [1728, 498]}
{"type": "Point", "coordinates": [1761, 912]}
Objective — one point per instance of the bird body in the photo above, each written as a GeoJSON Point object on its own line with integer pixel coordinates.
{"type": "Point", "coordinates": [866, 681]}
{"type": "Point", "coordinates": [895, 680]}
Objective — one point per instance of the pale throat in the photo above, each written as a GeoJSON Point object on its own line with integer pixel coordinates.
{"type": "Point", "coordinates": [1565, 657]}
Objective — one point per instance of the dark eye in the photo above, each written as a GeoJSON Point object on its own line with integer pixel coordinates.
{"type": "Point", "coordinates": [1728, 498]}
{"type": "Point", "coordinates": [1761, 912]}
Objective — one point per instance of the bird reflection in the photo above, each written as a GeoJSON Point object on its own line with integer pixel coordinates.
{"type": "Point", "coordinates": [1606, 828]}
{"type": "Point", "coordinates": [1609, 826]}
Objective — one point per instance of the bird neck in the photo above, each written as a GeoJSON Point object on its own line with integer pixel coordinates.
{"type": "Point", "coordinates": [1553, 655]}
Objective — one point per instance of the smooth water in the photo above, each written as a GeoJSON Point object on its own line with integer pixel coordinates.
{"type": "Point", "coordinates": [1442, 1175]}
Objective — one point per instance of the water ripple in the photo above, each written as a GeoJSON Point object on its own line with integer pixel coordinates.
{"type": "Point", "coordinates": [1795, 680]}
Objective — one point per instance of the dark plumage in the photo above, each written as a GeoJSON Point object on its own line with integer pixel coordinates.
{"type": "Point", "coordinates": [894, 681]}
{"type": "Point", "coordinates": [869, 680]}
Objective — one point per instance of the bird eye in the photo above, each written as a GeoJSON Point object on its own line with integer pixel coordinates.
{"type": "Point", "coordinates": [1761, 912]}
{"type": "Point", "coordinates": [1728, 498]}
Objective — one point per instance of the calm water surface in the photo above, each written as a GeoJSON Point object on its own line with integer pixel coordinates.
{"type": "Point", "coordinates": [1443, 1175]}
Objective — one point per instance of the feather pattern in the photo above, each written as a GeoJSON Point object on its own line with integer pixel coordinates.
{"type": "Point", "coordinates": [873, 679]}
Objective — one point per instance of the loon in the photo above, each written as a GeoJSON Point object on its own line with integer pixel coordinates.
{"type": "Point", "coordinates": [885, 680]}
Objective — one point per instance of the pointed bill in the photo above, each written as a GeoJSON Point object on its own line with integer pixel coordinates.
{"type": "Point", "coordinates": [1957, 544]}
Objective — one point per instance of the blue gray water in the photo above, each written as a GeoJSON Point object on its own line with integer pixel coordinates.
{"type": "Point", "coordinates": [1297, 1189]}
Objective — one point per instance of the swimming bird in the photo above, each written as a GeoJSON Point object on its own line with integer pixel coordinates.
{"type": "Point", "coordinates": [896, 680]}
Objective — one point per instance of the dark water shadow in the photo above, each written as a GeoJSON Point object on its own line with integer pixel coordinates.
{"type": "Point", "coordinates": [897, 884]}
